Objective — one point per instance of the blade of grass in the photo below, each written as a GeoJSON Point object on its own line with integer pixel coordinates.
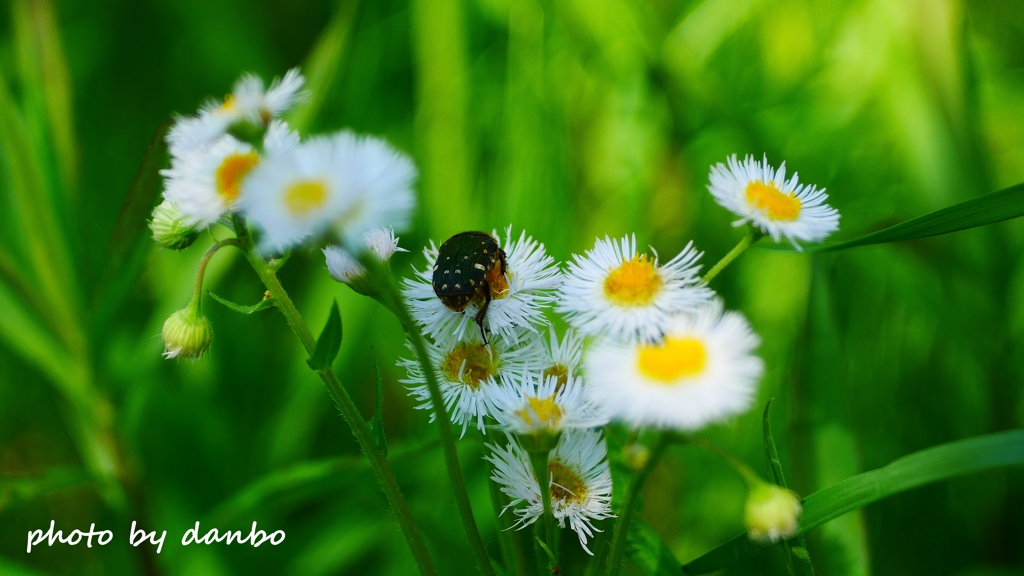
{"type": "Point", "coordinates": [929, 465]}
{"type": "Point", "coordinates": [444, 151]}
{"type": "Point", "coordinates": [990, 208]}
{"type": "Point", "coordinates": [799, 561]}
{"type": "Point", "coordinates": [46, 81]}
{"type": "Point", "coordinates": [43, 240]}
{"type": "Point", "coordinates": [130, 243]}
{"type": "Point", "coordinates": [325, 64]}
{"type": "Point", "coordinates": [307, 479]}
{"type": "Point", "coordinates": [648, 551]}
{"type": "Point", "coordinates": [23, 489]}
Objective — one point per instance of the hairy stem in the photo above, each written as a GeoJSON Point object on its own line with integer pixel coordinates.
{"type": "Point", "coordinates": [344, 403]}
{"type": "Point", "coordinates": [395, 303]}
{"type": "Point", "coordinates": [621, 529]}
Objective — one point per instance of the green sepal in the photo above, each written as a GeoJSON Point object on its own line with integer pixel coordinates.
{"type": "Point", "coordinates": [329, 343]}
{"type": "Point", "coordinates": [261, 305]}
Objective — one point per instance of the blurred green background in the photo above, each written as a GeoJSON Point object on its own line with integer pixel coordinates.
{"type": "Point", "coordinates": [573, 119]}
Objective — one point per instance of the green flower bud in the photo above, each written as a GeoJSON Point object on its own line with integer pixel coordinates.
{"type": "Point", "coordinates": [187, 333]}
{"type": "Point", "coordinates": [771, 513]}
{"type": "Point", "coordinates": [170, 229]}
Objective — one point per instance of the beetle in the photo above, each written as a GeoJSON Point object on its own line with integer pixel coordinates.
{"type": "Point", "coordinates": [470, 266]}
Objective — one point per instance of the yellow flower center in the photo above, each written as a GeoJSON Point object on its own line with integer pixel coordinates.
{"type": "Point", "coordinates": [566, 485]}
{"type": "Point", "coordinates": [672, 359]}
{"type": "Point", "coordinates": [635, 283]}
{"type": "Point", "coordinates": [232, 171]}
{"type": "Point", "coordinates": [470, 364]}
{"type": "Point", "coordinates": [774, 203]}
{"type": "Point", "coordinates": [229, 103]}
{"type": "Point", "coordinates": [561, 374]}
{"type": "Point", "coordinates": [305, 196]}
{"type": "Point", "coordinates": [542, 411]}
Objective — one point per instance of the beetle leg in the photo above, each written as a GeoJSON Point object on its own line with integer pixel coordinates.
{"type": "Point", "coordinates": [483, 309]}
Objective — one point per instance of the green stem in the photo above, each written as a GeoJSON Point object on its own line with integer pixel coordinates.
{"type": "Point", "coordinates": [444, 423]}
{"type": "Point", "coordinates": [621, 529]}
{"type": "Point", "coordinates": [511, 544]}
{"type": "Point", "coordinates": [344, 403]}
{"type": "Point", "coordinates": [748, 239]}
{"type": "Point", "coordinates": [203, 263]}
{"type": "Point", "coordinates": [539, 461]}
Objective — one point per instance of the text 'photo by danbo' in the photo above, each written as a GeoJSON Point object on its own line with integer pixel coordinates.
{"type": "Point", "coordinates": [511, 287]}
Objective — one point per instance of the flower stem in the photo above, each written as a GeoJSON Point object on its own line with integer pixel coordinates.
{"type": "Point", "coordinates": [344, 403]}
{"type": "Point", "coordinates": [392, 300]}
{"type": "Point", "coordinates": [748, 239]}
{"type": "Point", "coordinates": [511, 545]}
{"type": "Point", "coordinates": [539, 461]}
{"type": "Point", "coordinates": [621, 529]}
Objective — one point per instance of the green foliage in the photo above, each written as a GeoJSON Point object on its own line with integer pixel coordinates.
{"type": "Point", "coordinates": [329, 342]}
{"type": "Point", "coordinates": [572, 119]}
{"type": "Point", "coordinates": [930, 465]}
{"type": "Point", "coordinates": [982, 211]}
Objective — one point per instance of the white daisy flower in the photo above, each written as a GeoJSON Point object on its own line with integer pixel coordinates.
{"type": "Point", "coordinates": [518, 297]}
{"type": "Point", "coordinates": [342, 265]}
{"type": "Point", "coordinates": [248, 101]}
{"type": "Point", "coordinates": [581, 482]}
{"type": "Point", "coordinates": [382, 242]}
{"type": "Point", "coordinates": [206, 183]}
{"type": "Point", "coordinates": [703, 370]}
{"type": "Point", "coordinates": [761, 195]}
{"type": "Point", "coordinates": [529, 404]}
{"type": "Point", "coordinates": [565, 356]}
{"type": "Point", "coordinates": [616, 291]}
{"type": "Point", "coordinates": [345, 268]}
{"type": "Point", "coordinates": [466, 370]}
{"type": "Point", "coordinates": [348, 183]}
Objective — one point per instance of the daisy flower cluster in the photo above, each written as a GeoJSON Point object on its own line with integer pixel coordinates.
{"type": "Point", "coordinates": [539, 356]}
{"type": "Point", "coordinates": [237, 162]}
{"type": "Point", "coordinates": [648, 344]}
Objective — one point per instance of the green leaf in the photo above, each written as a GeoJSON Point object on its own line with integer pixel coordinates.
{"type": "Point", "coordinates": [261, 305]}
{"type": "Point", "coordinates": [770, 452]}
{"type": "Point", "coordinates": [304, 482]}
{"type": "Point", "coordinates": [798, 563]}
{"type": "Point", "coordinates": [130, 242]}
{"type": "Point", "coordinates": [648, 551]}
{"type": "Point", "coordinates": [929, 465]}
{"type": "Point", "coordinates": [376, 423]}
{"type": "Point", "coordinates": [20, 489]}
{"type": "Point", "coordinates": [329, 343]}
{"type": "Point", "coordinates": [325, 64]}
{"type": "Point", "coordinates": [983, 210]}
{"type": "Point", "coordinates": [46, 85]}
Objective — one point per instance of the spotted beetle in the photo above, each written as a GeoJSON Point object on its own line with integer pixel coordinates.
{"type": "Point", "coordinates": [470, 267]}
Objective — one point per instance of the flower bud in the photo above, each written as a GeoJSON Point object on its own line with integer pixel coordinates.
{"type": "Point", "coordinates": [346, 269]}
{"type": "Point", "coordinates": [170, 228]}
{"type": "Point", "coordinates": [187, 333]}
{"type": "Point", "coordinates": [771, 512]}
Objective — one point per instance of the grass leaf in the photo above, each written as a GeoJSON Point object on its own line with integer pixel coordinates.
{"type": "Point", "coordinates": [325, 63]}
{"type": "Point", "coordinates": [990, 208]}
{"type": "Point", "coordinates": [929, 465]}
{"type": "Point", "coordinates": [329, 342]}
{"type": "Point", "coordinates": [130, 243]}
{"type": "Point", "coordinates": [648, 551]}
